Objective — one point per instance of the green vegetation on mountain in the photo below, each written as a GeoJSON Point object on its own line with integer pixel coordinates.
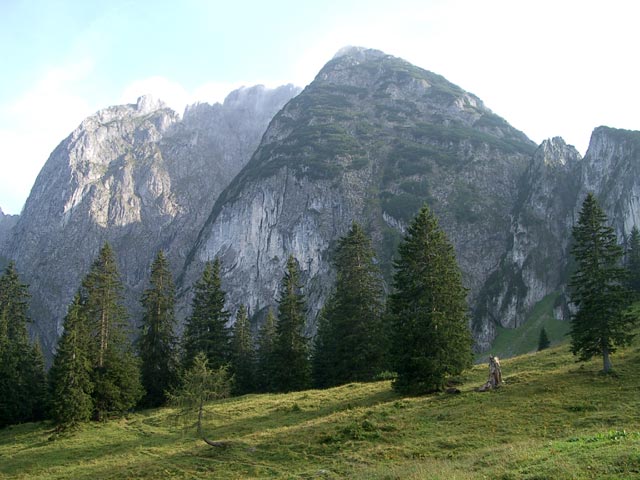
{"type": "Point", "coordinates": [552, 418]}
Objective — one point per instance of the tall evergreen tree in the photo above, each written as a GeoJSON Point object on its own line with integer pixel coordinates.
{"type": "Point", "coordinates": [70, 374]}
{"type": "Point", "coordinates": [206, 329]}
{"type": "Point", "coordinates": [349, 345]}
{"type": "Point", "coordinates": [598, 288]}
{"type": "Point", "coordinates": [633, 261]}
{"type": "Point", "coordinates": [242, 354]}
{"type": "Point", "coordinates": [264, 354]}
{"type": "Point", "coordinates": [22, 387]}
{"type": "Point", "coordinates": [157, 342]}
{"type": "Point", "coordinates": [292, 368]}
{"type": "Point", "coordinates": [116, 371]}
{"type": "Point", "coordinates": [428, 308]}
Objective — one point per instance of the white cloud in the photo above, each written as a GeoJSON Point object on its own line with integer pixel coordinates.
{"type": "Point", "coordinates": [33, 124]}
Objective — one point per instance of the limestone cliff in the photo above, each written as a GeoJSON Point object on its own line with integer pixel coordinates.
{"type": "Point", "coordinates": [370, 139]}
{"type": "Point", "coordinates": [138, 177]}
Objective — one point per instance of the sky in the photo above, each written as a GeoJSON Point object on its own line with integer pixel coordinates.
{"type": "Point", "coordinates": [549, 67]}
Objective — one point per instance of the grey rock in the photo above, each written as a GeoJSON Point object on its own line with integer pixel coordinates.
{"type": "Point", "coordinates": [370, 139]}
{"type": "Point", "coordinates": [138, 177]}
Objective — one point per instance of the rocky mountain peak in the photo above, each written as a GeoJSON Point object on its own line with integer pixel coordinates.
{"type": "Point", "coordinates": [555, 152]}
{"type": "Point", "coordinates": [147, 104]}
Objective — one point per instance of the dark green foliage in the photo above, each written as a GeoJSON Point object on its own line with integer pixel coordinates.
{"type": "Point", "coordinates": [22, 386]}
{"type": "Point", "coordinates": [543, 341]}
{"type": "Point", "coordinates": [70, 374]}
{"type": "Point", "coordinates": [633, 261]}
{"type": "Point", "coordinates": [349, 346]}
{"type": "Point", "coordinates": [116, 371]}
{"type": "Point", "coordinates": [242, 354]}
{"type": "Point", "coordinates": [598, 288]}
{"type": "Point", "coordinates": [157, 342]}
{"type": "Point", "coordinates": [291, 366]}
{"type": "Point", "coordinates": [206, 329]}
{"type": "Point", "coordinates": [264, 354]}
{"type": "Point", "coordinates": [428, 310]}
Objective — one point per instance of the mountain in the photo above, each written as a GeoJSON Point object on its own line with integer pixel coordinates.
{"type": "Point", "coordinates": [370, 139]}
{"type": "Point", "coordinates": [537, 263]}
{"type": "Point", "coordinates": [7, 222]}
{"type": "Point", "coordinates": [139, 177]}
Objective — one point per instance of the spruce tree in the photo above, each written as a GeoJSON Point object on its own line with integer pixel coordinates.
{"type": "Point", "coordinates": [70, 374]}
{"type": "Point", "coordinates": [349, 345]}
{"type": "Point", "coordinates": [116, 370]}
{"type": "Point", "coordinates": [598, 288]}
{"type": "Point", "coordinates": [206, 329]}
{"type": "Point", "coordinates": [291, 366]}
{"type": "Point", "coordinates": [431, 338]}
{"type": "Point", "coordinates": [543, 340]}
{"type": "Point", "coordinates": [157, 342]}
{"type": "Point", "coordinates": [22, 386]}
{"type": "Point", "coordinates": [242, 354]}
{"type": "Point", "coordinates": [633, 262]}
{"type": "Point", "coordinates": [264, 354]}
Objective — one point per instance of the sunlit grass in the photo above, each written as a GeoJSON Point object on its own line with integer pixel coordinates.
{"type": "Point", "coordinates": [553, 418]}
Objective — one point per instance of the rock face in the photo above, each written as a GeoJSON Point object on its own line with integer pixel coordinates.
{"type": "Point", "coordinates": [370, 139]}
{"type": "Point", "coordinates": [552, 191]}
{"type": "Point", "coordinates": [7, 222]}
{"type": "Point", "coordinates": [535, 263]}
{"type": "Point", "coordinates": [138, 177]}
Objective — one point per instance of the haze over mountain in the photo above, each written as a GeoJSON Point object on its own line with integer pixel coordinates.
{"type": "Point", "coordinates": [276, 172]}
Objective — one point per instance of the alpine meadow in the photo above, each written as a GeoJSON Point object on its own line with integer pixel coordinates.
{"type": "Point", "coordinates": [310, 283]}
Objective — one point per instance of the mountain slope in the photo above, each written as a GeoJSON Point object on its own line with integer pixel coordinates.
{"type": "Point", "coordinates": [552, 419]}
{"type": "Point", "coordinates": [139, 177]}
{"type": "Point", "coordinates": [370, 139]}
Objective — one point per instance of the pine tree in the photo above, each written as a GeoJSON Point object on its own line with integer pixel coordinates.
{"type": "Point", "coordinates": [242, 354]}
{"type": "Point", "coordinates": [22, 387]}
{"type": "Point", "coordinates": [116, 370]}
{"type": "Point", "coordinates": [349, 345]}
{"type": "Point", "coordinates": [157, 342]}
{"type": "Point", "coordinates": [70, 374]}
{"type": "Point", "coordinates": [428, 308]}
{"type": "Point", "coordinates": [543, 340]}
{"type": "Point", "coordinates": [633, 262]}
{"type": "Point", "coordinates": [264, 354]}
{"type": "Point", "coordinates": [598, 288]}
{"type": "Point", "coordinates": [292, 369]}
{"type": "Point", "coordinates": [206, 329]}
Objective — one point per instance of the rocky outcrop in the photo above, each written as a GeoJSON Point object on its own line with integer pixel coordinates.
{"type": "Point", "coordinates": [7, 222]}
{"type": "Point", "coordinates": [370, 139]}
{"type": "Point", "coordinates": [535, 263]}
{"type": "Point", "coordinates": [138, 177]}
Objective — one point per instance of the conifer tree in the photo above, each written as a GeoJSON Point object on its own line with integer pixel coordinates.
{"type": "Point", "coordinates": [157, 342]}
{"type": "Point", "coordinates": [116, 370]}
{"type": "Point", "coordinates": [598, 288]}
{"type": "Point", "coordinates": [264, 354]}
{"type": "Point", "coordinates": [22, 387]}
{"type": "Point", "coordinates": [206, 329]}
{"type": "Point", "coordinates": [291, 366]}
{"type": "Point", "coordinates": [431, 338]}
{"type": "Point", "coordinates": [543, 340]}
{"type": "Point", "coordinates": [70, 374]}
{"type": "Point", "coordinates": [242, 354]}
{"type": "Point", "coordinates": [633, 262]}
{"type": "Point", "coordinates": [349, 345]}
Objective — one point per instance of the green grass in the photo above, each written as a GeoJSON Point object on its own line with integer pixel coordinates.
{"type": "Point", "coordinates": [524, 339]}
{"type": "Point", "coordinates": [552, 419]}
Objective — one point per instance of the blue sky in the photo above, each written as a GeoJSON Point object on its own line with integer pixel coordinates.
{"type": "Point", "coordinates": [549, 67]}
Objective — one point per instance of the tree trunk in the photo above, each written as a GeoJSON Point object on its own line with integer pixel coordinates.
{"type": "Point", "coordinates": [201, 432]}
{"type": "Point", "coordinates": [606, 363]}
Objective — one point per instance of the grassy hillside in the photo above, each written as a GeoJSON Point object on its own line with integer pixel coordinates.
{"type": "Point", "coordinates": [553, 419]}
